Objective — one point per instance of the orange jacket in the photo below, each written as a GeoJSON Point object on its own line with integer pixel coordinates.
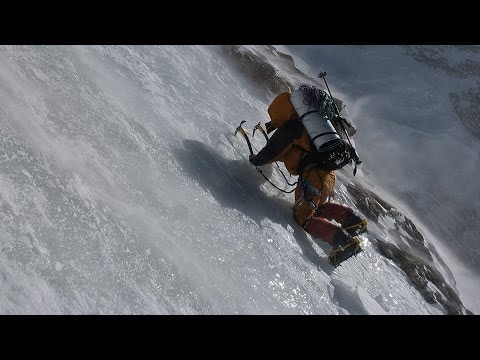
{"type": "Point", "coordinates": [290, 144]}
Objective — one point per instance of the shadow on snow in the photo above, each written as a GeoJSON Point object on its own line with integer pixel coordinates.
{"type": "Point", "coordinates": [236, 184]}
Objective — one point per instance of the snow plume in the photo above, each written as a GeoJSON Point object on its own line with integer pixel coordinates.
{"type": "Point", "coordinates": [123, 190]}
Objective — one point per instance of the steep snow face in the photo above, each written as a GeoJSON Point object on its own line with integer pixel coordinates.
{"type": "Point", "coordinates": [124, 191]}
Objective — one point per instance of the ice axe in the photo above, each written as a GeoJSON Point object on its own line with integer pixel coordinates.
{"type": "Point", "coordinates": [245, 136]}
{"type": "Point", "coordinates": [242, 131]}
{"type": "Point", "coordinates": [259, 127]}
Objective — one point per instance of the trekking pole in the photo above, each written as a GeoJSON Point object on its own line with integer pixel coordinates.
{"type": "Point", "coordinates": [355, 156]}
{"type": "Point", "coordinates": [322, 76]}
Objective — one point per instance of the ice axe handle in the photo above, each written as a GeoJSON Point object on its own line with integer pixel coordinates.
{"type": "Point", "coordinates": [259, 127]}
{"type": "Point", "coordinates": [242, 131]}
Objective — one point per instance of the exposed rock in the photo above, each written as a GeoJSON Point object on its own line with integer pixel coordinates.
{"type": "Point", "coordinates": [415, 258]}
{"type": "Point", "coordinates": [373, 207]}
{"type": "Point", "coordinates": [422, 275]}
{"type": "Point", "coordinates": [368, 202]}
{"type": "Point", "coordinates": [258, 70]}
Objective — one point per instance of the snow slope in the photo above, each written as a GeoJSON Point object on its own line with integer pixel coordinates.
{"type": "Point", "coordinates": [124, 191]}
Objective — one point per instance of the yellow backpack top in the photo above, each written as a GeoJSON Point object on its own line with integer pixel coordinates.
{"type": "Point", "coordinates": [280, 111]}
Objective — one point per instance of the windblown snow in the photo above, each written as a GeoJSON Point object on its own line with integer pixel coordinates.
{"type": "Point", "coordinates": [123, 190]}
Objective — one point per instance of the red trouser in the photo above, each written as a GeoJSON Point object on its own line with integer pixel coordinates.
{"type": "Point", "coordinates": [319, 227]}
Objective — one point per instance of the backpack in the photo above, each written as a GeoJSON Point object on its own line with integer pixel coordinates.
{"type": "Point", "coordinates": [328, 131]}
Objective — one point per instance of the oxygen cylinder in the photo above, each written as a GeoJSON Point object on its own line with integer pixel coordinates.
{"type": "Point", "coordinates": [319, 128]}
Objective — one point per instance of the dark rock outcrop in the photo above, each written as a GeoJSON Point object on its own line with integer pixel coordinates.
{"type": "Point", "coordinates": [372, 206]}
{"type": "Point", "coordinates": [422, 276]}
{"type": "Point", "coordinates": [415, 259]}
{"type": "Point", "coordinates": [258, 70]}
{"type": "Point", "coordinates": [262, 73]}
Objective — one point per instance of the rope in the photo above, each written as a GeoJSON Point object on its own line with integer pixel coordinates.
{"type": "Point", "coordinates": [281, 172]}
{"type": "Point", "coordinates": [275, 186]}
{"type": "Point", "coordinates": [286, 180]}
{"type": "Point", "coordinates": [319, 99]}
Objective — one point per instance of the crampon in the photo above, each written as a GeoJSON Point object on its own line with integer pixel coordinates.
{"type": "Point", "coordinates": [339, 255]}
